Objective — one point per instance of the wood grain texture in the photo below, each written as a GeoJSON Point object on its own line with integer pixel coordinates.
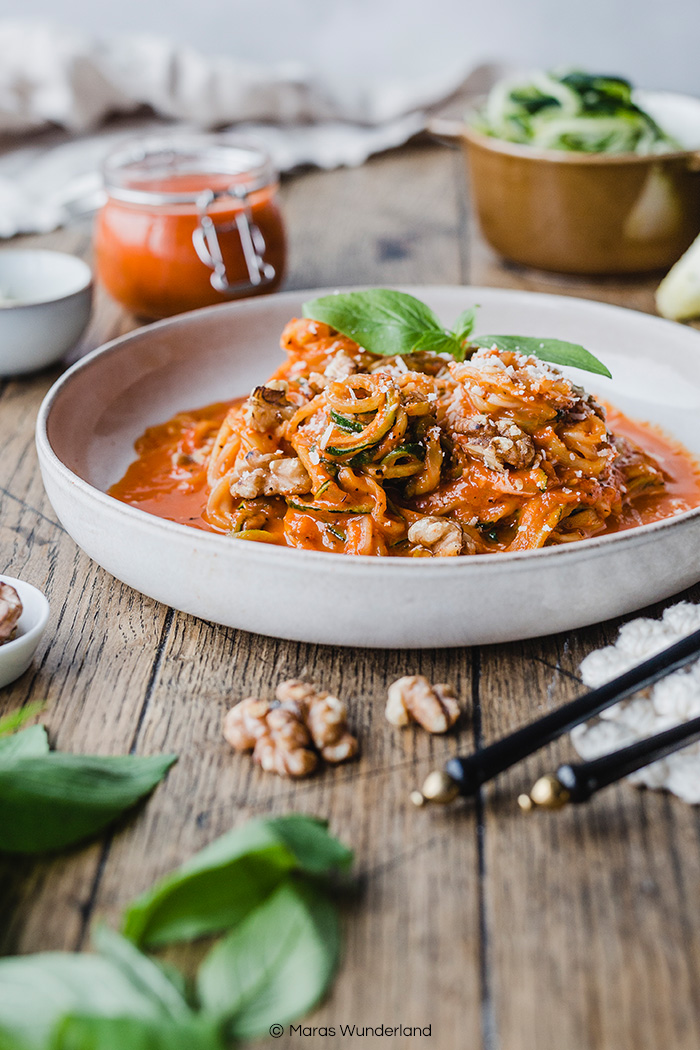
{"type": "Point", "coordinates": [579, 929]}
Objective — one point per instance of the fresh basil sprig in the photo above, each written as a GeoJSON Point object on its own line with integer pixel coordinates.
{"type": "Point", "coordinates": [275, 966]}
{"type": "Point", "coordinates": [556, 351]}
{"type": "Point", "coordinates": [13, 721]}
{"type": "Point", "coordinates": [73, 984]}
{"type": "Point", "coordinates": [50, 800]}
{"type": "Point", "coordinates": [276, 960]}
{"type": "Point", "coordinates": [393, 323]}
{"type": "Point", "coordinates": [221, 885]}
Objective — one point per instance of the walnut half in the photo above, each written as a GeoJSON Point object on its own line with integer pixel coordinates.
{"type": "Point", "coordinates": [10, 611]}
{"type": "Point", "coordinates": [443, 538]}
{"type": "Point", "coordinates": [288, 735]}
{"type": "Point", "coordinates": [269, 474]}
{"type": "Point", "coordinates": [326, 717]}
{"type": "Point", "coordinates": [414, 699]}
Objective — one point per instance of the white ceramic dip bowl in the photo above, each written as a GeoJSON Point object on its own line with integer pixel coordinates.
{"type": "Point", "coordinates": [90, 419]}
{"type": "Point", "coordinates": [45, 301]}
{"type": "Point", "coordinates": [16, 655]}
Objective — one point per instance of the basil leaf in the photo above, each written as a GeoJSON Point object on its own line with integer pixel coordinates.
{"type": "Point", "coordinates": [54, 800]}
{"type": "Point", "coordinates": [228, 879]}
{"type": "Point", "coordinates": [315, 850]}
{"type": "Point", "coordinates": [30, 742]}
{"type": "Point", "coordinates": [129, 1033]}
{"type": "Point", "coordinates": [36, 991]}
{"type": "Point", "coordinates": [380, 320]}
{"type": "Point", "coordinates": [557, 351]}
{"type": "Point", "coordinates": [440, 343]}
{"type": "Point", "coordinates": [144, 974]}
{"type": "Point", "coordinates": [464, 325]}
{"type": "Point", "coordinates": [16, 719]}
{"type": "Point", "coordinates": [11, 1042]}
{"type": "Point", "coordinates": [275, 966]}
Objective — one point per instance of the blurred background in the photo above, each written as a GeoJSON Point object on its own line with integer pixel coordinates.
{"type": "Point", "coordinates": [654, 43]}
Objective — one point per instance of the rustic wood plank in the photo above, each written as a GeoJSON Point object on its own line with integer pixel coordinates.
{"type": "Point", "coordinates": [591, 928]}
{"type": "Point", "coordinates": [394, 220]}
{"type": "Point", "coordinates": [401, 855]}
{"type": "Point", "coordinates": [607, 945]}
{"type": "Point", "coordinates": [170, 678]}
{"type": "Point", "coordinates": [574, 929]}
{"type": "Point", "coordinates": [91, 673]}
{"type": "Point", "coordinates": [97, 647]}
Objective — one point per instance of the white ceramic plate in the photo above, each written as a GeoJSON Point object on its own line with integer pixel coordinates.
{"type": "Point", "coordinates": [92, 416]}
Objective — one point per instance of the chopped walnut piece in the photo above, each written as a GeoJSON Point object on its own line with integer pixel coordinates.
{"type": "Point", "coordinates": [326, 717]}
{"type": "Point", "coordinates": [414, 699]}
{"type": "Point", "coordinates": [10, 611]}
{"type": "Point", "coordinates": [441, 537]}
{"type": "Point", "coordinates": [294, 689]}
{"type": "Point", "coordinates": [288, 735]}
{"type": "Point", "coordinates": [286, 747]}
{"type": "Point", "coordinates": [500, 443]}
{"type": "Point", "coordinates": [268, 406]}
{"type": "Point", "coordinates": [270, 474]}
{"type": "Point", "coordinates": [246, 723]}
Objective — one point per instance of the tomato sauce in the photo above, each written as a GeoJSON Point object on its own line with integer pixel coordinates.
{"type": "Point", "coordinates": [169, 477]}
{"type": "Point", "coordinates": [145, 256]}
{"type": "Point", "coordinates": [682, 491]}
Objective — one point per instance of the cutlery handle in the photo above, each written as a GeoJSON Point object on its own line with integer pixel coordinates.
{"type": "Point", "coordinates": [471, 772]}
{"type": "Point", "coordinates": [583, 779]}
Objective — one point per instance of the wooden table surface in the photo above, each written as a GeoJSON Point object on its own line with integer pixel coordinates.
{"type": "Point", "coordinates": [567, 931]}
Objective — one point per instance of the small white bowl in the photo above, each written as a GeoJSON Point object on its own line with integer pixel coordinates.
{"type": "Point", "coordinates": [16, 655]}
{"type": "Point", "coordinates": [45, 301]}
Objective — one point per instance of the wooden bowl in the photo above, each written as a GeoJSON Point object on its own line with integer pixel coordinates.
{"type": "Point", "coordinates": [588, 213]}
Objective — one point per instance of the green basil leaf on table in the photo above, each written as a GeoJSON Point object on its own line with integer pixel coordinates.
{"type": "Point", "coordinates": [130, 1033]}
{"type": "Point", "coordinates": [8, 1041]}
{"type": "Point", "coordinates": [50, 801]}
{"type": "Point", "coordinates": [30, 743]}
{"type": "Point", "coordinates": [315, 850]}
{"type": "Point", "coordinates": [276, 966]}
{"type": "Point", "coordinates": [143, 973]}
{"type": "Point", "coordinates": [36, 991]}
{"type": "Point", "coordinates": [380, 320]}
{"type": "Point", "coordinates": [228, 879]}
{"type": "Point", "coordinates": [15, 719]}
{"type": "Point", "coordinates": [556, 351]}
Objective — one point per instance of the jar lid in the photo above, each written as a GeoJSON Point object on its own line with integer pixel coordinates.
{"type": "Point", "coordinates": [148, 170]}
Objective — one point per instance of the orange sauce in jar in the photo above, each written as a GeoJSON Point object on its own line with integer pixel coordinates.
{"type": "Point", "coordinates": [189, 222]}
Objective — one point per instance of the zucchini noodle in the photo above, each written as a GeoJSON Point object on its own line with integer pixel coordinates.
{"type": "Point", "coordinates": [420, 455]}
{"type": "Point", "coordinates": [573, 111]}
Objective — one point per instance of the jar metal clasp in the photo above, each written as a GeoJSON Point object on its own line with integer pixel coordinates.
{"type": "Point", "coordinates": [208, 247]}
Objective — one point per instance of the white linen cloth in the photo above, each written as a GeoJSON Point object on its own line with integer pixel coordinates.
{"type": "Point", "coordinates": [56, 77]}
{"type": "Point", "coordinates": [674, 699]}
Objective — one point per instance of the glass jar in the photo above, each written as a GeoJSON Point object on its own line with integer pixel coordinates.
{"type": "Point", "coordinates": [189, 221]}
